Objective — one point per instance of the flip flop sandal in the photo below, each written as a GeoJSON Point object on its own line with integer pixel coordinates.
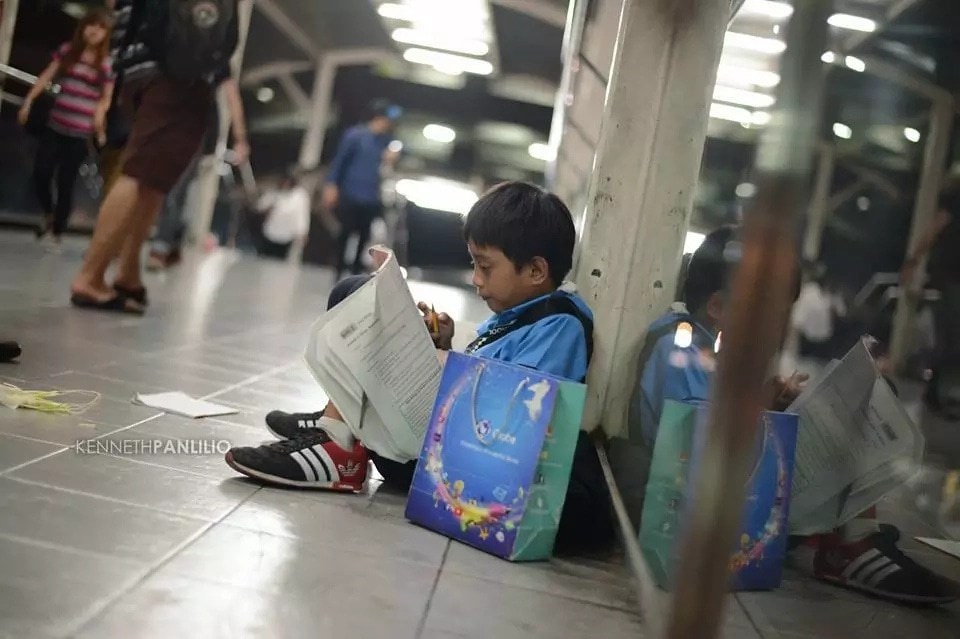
{"type": "Point", "coordinates": [117, 304]}
{"type": "Point", "coordinates": [138, 295]}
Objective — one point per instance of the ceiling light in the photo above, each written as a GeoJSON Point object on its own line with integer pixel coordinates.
{"type": "Point", "coordinates": [853, 23]}
{"type": "Point", "coordinates": [753, 43]}
{"type": "Point", "coordinates": [435, 41]}
{"type": "Point", "coordinates": [911, 134]}
{"type": "Point", "coordinates": [732, 74]}
{"type": "Point", "coordinates": [437, 194]}
{"type": "Point", "coordinates": [855, 64]}
{"type": "Point", "coordinates": [863, 203]}
{"type": "Point", "coordinates": [731, 113]}
{"type": "Point", "coordinates": [767, 8]}
{"type": "Point", "coordinates": [739, 96]}
{"type": "Point", "coordinates": [760, 118]}
{"type": "Point", "coordinates": [746, 190]}
{"type": "Point", "coordinates": [842, 131]}
{"type": "Point", "coordinates": [541, 151]}
{"type": "Point", "coordinates": [439, 133]}
{"type": "Point", "coordinates": [448, 61]}
{"type": "Point", "coordinates": [396, 11]}
{"type": "Point", "coordinates": [829, 57]}
{"type": "Point", "coordinates": [265, 94]}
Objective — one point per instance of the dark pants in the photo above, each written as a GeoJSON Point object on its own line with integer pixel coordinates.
{"type": "Point", "coordinates": [586, 523]}
{"type": "Point", "coordinates": [275, 250]}
{"type": "Point", "coordinates": [946, 362]}
{"type": "Point", "coordinates": [355, 218]}
{"type": "Point", "coordinates": [61, 155]}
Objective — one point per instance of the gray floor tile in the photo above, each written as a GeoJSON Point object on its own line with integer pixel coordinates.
{"type": "Point", "coordinates": [465, 607]}
{"type": "Point", "coordinates": [337, 520]}
{"type": "Point", "coordinates": [47, 591]}
{"type": "Point", "coordinates": [15, 450]}
{"type": "Point", "coordinates": [166, 489]}
{"type": "Point", "coordinates": [90, 524]}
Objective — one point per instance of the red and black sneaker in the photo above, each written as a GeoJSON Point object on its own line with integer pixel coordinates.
{"type": "Point", "coordinates": [311, 460]}
{"type": "Point", "coordinates": [876, 566]}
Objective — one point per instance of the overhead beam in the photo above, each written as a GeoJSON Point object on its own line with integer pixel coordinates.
{"type": "Point", "coordinates": [543, 11]}
{"type": "Point", "coordinates": [859, 38]}
{"type": "Point", "coordinates": [275, 14]}
{"type": "Point", "coordinates": [260, 74]}
{"type": "Point", "coordinates": [298, 97]}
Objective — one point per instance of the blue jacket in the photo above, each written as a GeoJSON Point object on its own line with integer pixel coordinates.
{"type": "Point", "coordinates": [356, 166]}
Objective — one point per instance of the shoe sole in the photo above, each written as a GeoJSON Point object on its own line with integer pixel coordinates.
{"type": "Point", "coordinates": [336, 486]}
{"type": "Point", "coordinates": [888, 596]}
{"type": "Point", "coordinates": [276, 434]}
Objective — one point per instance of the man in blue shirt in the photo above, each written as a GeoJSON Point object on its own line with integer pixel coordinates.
{"type": "Point", "coordinates": [521, 239]}
{"type": "Point", "coordinates": [353, 181]}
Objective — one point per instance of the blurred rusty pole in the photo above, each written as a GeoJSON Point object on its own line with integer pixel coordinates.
{"type": "Point", "coordinates": [755, 323]}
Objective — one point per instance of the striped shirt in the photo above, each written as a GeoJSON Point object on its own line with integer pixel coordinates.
{"type": "Point", "coordinates": [81, 88]}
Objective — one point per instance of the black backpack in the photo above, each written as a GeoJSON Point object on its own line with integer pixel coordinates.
{"type": "Point", "coordinates": [191, 39]}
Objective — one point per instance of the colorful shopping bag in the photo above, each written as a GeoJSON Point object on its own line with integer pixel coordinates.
{"type": "Point", "coordinates": [757, 560]}
{"type": "Point", "coordinates": [496, 460]}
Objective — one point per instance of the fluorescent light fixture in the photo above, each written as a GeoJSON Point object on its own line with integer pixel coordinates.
{"type": "Point", "coordinates": [265, 94]}
{"type": "Point", "coordinates": [732, 74]}
{"type": "Point", "coordinates": [739, 96]}
{"type": "Point", "coordinates": [863, 203]}
{"type": "Point", "coordinates": [437, 194]}
{"type": "Point", "coordinates": [829, 57]}
{"type": "Point", "coordinates": [436, 41]}
{"type": "Point", "coordinates": [753, 43]}
{"type": "Point", "coordinates": [541, 151]}
{"type": "Point", "coordinates": [778, 10]}
{"type": "Point", "coordinates": [448, 61]}
{"type": "Point", "coordinates": [853, 23]}
{"type": "Point", "coordinates": [692, 242]}
{"type": "Point", "coordinates": [841, 130]}
{"type": "Point", "coordinates": [855, 64]}
{"type": "Point", "coordinates": [760, 118]}
{"type": "Point", "coordinates": [746, 190]}
{"type": "Point", "coordinates": [439, 133]}
{"type": "Point", "coordinates": [731, 113]}
{"type": "Point", "coordinates": [397, 11]}
{"type": "Point", "coordinates": [911, 134]}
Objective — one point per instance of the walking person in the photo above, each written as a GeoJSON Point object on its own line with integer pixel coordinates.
{"type": "Point", "coordinates": [78, 113]}
{"type": "Point", "coordinates": [352, 186]}
{"type": "Point", "coordinates": [287, 211]}
{"type": "Point", "coordinates": [167, 92]}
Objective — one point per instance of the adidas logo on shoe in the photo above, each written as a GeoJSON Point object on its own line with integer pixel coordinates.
{"type": "Point", "coordinates": [351, 469]}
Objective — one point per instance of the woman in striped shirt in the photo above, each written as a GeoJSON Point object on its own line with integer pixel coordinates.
{"type": "Point", "coordinates": [86, 87]}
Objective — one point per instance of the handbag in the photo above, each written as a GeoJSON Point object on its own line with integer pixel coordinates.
{"type": "Point", "coordinates": [36, 125]}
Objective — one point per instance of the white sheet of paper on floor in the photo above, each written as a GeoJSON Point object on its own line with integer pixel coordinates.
{"type": "Point", "coordinates": [943, 545]}
{"type": "Point", "coordinates": [180, 403]}
{"type": "Point", "coordinates": [856, 443]}
{"type": "Point", "coordinates": [375, 343]}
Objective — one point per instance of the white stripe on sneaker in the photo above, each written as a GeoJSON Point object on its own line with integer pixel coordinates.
{"type": "Point", "coordinates": [870, 569]}
{"type": "Point", "coordinates": [325, 456]}
{"type": "Point", "coordinates": [318, 464]}
{"type": "Point", "coordinates": [305, 465]}
{"type": "Point", "coordinates": [860, 561]}
{"type": "Point", "coordinates": [877, 577]}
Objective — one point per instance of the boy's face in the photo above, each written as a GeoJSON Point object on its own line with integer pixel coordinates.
{"type": "Point", "coordinates": [501, 284]}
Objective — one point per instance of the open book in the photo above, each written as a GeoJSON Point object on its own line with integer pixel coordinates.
{"type": "Point", "coordinates": [373, 355]}
{"type": "Point", "coordinates": [856, 443]}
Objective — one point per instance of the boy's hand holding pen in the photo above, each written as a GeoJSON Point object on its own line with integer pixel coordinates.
{"type": "Point", "coordinates": [440, 326]}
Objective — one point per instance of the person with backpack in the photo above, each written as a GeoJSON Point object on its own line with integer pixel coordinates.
{"type": "Point", "coordinates": [168, 59]}
{"type": "Point", "coordinates": [521, 239]}
{"type": "Point", "coordinates": [83, 68]}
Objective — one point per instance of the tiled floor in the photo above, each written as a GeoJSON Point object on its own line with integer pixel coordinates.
{"type": "Point", "coordinates": [100, 546]}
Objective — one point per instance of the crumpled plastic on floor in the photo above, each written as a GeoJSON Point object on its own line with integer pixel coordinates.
{"type": "Point", "coordinates": [44, 401]}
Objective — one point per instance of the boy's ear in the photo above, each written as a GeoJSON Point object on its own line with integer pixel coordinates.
{"type": "Point", "coordinates": [539, 270]}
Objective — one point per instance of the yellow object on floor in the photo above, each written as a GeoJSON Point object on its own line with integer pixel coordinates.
{"type": "Point", "coordinates": [14, 397]}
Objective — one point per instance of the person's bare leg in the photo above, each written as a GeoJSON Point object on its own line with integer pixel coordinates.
{"type": "Point", "coordinates": [113, 225]}
{"type": "Point", "coordinates": [128, 269]}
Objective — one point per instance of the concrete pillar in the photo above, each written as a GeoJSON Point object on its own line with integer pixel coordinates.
{"type": "Point", "coordinates": [924, 209]}
{"type": "Point", "coordinates": [320, 98]}
{"type": "Point", "coordinates": [202, 198]}
{"type": "Point", "coordinates": [819, 203]}
{"type": "Point", "coordinates": [8, 22]}
{"type": "Point", "coordinates": [645, 172]}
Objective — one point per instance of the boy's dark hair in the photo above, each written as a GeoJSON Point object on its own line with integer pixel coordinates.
{"type": "Point", "coordinates": [709, 269]}
{"type": "Point", "coordinates": [712, 266]}
{"type": "Point", "coordinates": [524, 221]}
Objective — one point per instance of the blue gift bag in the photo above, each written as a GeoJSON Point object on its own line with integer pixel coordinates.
{"type": "Point", "coordinates": [757, 560]}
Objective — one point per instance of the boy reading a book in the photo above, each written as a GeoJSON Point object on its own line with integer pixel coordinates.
{"type": "Point", "coordinates": [521, 239]}
{"type": "Point", "coordinates": [677, 363]}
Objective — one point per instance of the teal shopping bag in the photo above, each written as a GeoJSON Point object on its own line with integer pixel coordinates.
{"type": "Point", "coordinates": [497, 456]}
{"type": "Point", "coordinates": [756, 563]}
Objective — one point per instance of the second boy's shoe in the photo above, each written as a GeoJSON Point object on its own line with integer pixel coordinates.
{"type": "Point", "coordinates": [289, 425]}
{"type": "Point", "coordinates": [310, 460]}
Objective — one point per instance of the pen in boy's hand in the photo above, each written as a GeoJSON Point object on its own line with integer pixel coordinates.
{"type": "Point", "coordinates": [434, 320]}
